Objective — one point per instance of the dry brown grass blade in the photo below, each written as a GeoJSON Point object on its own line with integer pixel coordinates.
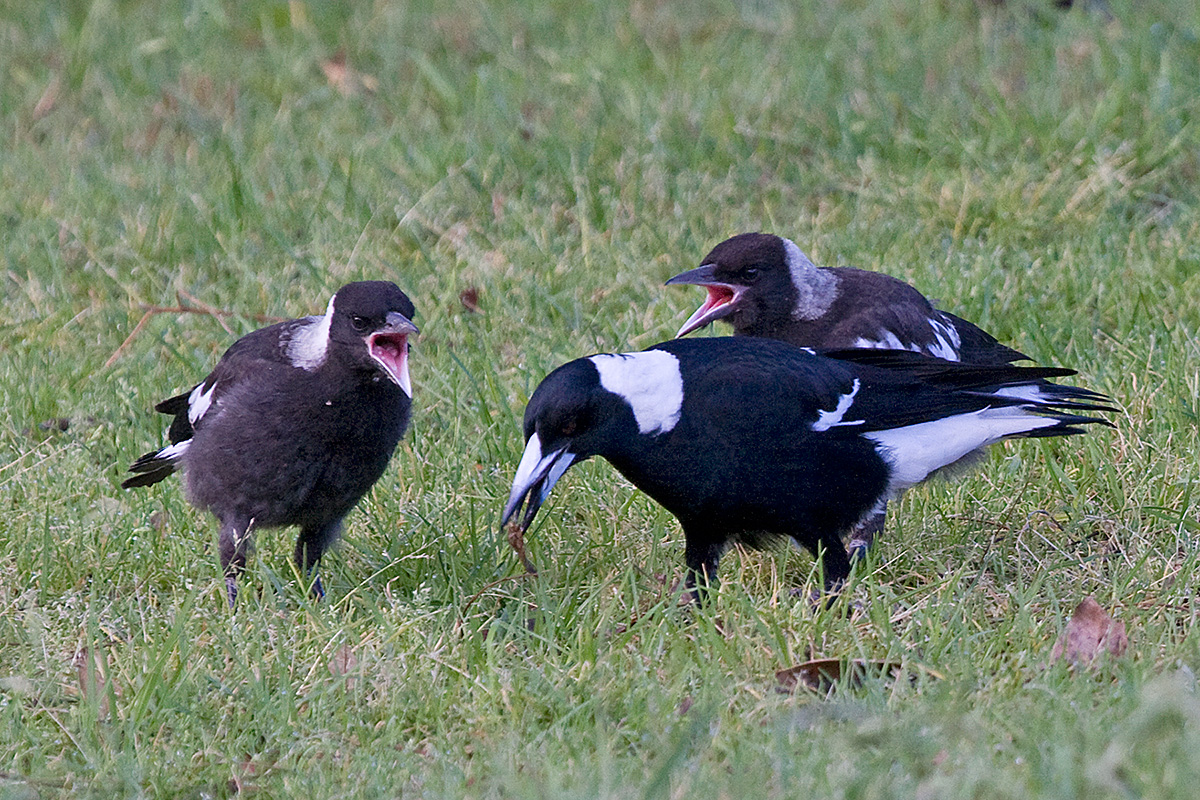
{"type": "Point", "coordinates": [197, 307]}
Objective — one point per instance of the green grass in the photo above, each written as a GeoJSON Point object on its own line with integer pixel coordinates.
{"type": "Point", "coordinates": [1032, 170]}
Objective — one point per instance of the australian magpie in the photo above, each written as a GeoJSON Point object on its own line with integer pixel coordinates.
{"type": "Point", "coordinates": [747, 439]}
{"type": "Point", "coordinates": [764, 285]}
{"type": "Point", "coordinates": [295, 424]}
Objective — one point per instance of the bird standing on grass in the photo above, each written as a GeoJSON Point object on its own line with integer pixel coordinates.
{"type": "Point", "coordinates": [746, 439]}
{"type": "Point", "coordinates": [765, 286]}
{"type": "Point", "coordinates": [295, 424]}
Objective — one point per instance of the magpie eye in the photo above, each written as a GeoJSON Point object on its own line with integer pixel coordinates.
{"type": "Point", "coordinates": [568, 427]}
{"type": "Point", "coordinates": [360, 324]}
{"type": "Point", "coordinates": [750, 274]}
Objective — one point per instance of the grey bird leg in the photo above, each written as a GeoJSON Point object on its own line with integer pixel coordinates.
{"type": "Point", "coordinates": [863, 535]}
{"type": "Point", "coordinates": [701, 561]}
{"type": "Point", "coordinates": [234, 541]}
{"type": "Point", "coordinates": [310, 546]}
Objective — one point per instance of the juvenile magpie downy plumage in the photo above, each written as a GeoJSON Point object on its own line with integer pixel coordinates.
{"type": "Point", "coordinates": [747, 439]}
{"type": "Point", "coordinates": [295, 424]}
{"type": "Point", "coordinates": [764, 285]}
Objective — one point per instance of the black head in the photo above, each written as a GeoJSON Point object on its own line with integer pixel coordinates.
{"type": "Point", "coordinates": [371, 322]}
{"type": "Point", "coordinates": [603, 405]}
{"type": "Point", "coordinates": [751, 281]}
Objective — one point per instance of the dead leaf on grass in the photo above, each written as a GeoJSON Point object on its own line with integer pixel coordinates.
{"type": "Point", "coordinates": [344, 664]}
{"type": "Point", "coordinates": [469, 297]}
{"type": "Point", "coordinates": [91, 667]}
{"type": "Point", "coordinates": [1090, 633]}
{"type": "Point", "coordinates": [345, 79]}
{"type": "Point", "coordinates": [822, 674]}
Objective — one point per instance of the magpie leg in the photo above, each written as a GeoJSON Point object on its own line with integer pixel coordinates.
{"type": "Point", "coordinates": [311, 544]}
{"type": "Point", "coordinates": [835, 567]}
{"type": "Point", "coordinates": [234, 541]}
{"type": "Point", "coordinates": [863, 535]}
{"type": "Point", "coordinates": [701, 559]}
{"type": "Point", "coordinates": [835, 563]}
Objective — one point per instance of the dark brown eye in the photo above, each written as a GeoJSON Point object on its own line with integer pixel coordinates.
{"type": "Point", "coordinates": [360, 324]}
{"type": "Point", "coordinates": [568, 428]}
{"type": "Point", "coordinates": [750, 273]}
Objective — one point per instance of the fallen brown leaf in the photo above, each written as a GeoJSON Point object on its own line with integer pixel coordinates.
{"type": "Point", "coordinates": [822, 674]}
{"type": "Point", "coordinates": [345, 79]}
{"type": "Point", "coordinates": [344, 662]}
{"type": "Point", "coordinates": [91, 669]}
{"type": "Point", "coordinates": [1090, 633]}
{"type": "Point", "coordinates": [469, 297]}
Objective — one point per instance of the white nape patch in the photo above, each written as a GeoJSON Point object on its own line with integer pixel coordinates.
{"type": "Point", "coordinates": [816, 289]}
{"type": "Point", "coordinates": [915, 452]}
{"type": "Point", "coordinates": [307, 345]}
{"type": "Point", "coordinates": [948, 341]}
{"type": "Point", "coordinates": [829, 419]}
{"type": "Point", "coordinates": [199, 401]}
{"type": "Point", "coordinates": [649, 381]}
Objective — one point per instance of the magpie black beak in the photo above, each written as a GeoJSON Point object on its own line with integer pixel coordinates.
{"type": "Point", "coordinates": [389, 347]}
{"type": "Point", "coordinates": [721, 301]}
{"type": "Point", "coordinates": [536, 476]}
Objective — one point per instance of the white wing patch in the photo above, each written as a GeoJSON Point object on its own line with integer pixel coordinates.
{"type": "Point", "coordinates": [199, 401]}
{"type": "Point", "coordinates": [175, 451]}
{"type": "Point", "coordinates": [650, 382]}
{"type": "Point", "coordinates": [944, 346]}
{"type": "Point", "coordinates": [829, 419]}
{"type": "Point", "coordinates": [310, 339]}
{"type": "Point", "coordinates": [947, 340]}
{"type": "Point", "coordinates": [915, 452]}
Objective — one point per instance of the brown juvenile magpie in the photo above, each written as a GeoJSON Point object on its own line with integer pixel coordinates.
{"type": "Point", "coordinates": [764, 285]}
{"type": "Point", "coordinates": [746, 439]}
{"type": "Point", "coordinates": [293, 426]}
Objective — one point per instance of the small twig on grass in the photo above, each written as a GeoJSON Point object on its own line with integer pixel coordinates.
{"type": "Point", "coordinates": [197, 307]}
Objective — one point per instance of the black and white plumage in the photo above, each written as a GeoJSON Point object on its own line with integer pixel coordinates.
{"type": "Point", "coordinates": [745, 439]}
{"type": "Point", "coordinates": [764, 285]}
{"type": "Point", "coordinates": [293, 426]}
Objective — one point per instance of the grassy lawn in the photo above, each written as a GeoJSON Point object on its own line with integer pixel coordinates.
{"type": "Point", "coordinates": [1033, 170]}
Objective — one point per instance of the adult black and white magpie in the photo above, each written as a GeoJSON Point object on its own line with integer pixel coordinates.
{"type": "Point", "coordinates": [296, 422]}
{"type": "Point", "coordinates": [747, 439]}
{"type": "Point", "coordinates": [764, 285]}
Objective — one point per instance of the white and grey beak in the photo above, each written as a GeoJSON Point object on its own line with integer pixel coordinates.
{"type": "Point", "coordinates": [536, 476]}
{"type": "Point", "coordinates": [389, 347]}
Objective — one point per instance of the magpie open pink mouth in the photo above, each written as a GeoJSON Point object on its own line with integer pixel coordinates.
{"type": "Point", "coordinates": [721, 301]}
{"type": "Point", "coordinates": [389, 347]}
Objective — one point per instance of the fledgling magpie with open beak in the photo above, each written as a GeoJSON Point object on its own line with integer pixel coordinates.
{"type": "Point", "coordinates": [746, 439]}
{"type": "Point", "coordinates": [764, 285]}
{"type": "Point", "coordinates": [295, 424]}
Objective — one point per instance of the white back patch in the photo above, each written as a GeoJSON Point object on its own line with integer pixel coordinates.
{"type": "Point", "coordinates": [307, 345]}
{"type": "Point", "coordinates": [816, 289]}
{"type": "Point", "coordinates": [650, 382]}
{"type": "Point", "coordinates": [829, 419]}
{"type": "Point", "coordinates": [199, 401]}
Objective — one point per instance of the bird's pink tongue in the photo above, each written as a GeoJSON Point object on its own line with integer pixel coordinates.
{"type": "Point", "coordinates": [391, 351]}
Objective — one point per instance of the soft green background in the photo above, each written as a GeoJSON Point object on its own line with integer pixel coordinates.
{"type": "Point", "coordinates": [1031, 169]}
